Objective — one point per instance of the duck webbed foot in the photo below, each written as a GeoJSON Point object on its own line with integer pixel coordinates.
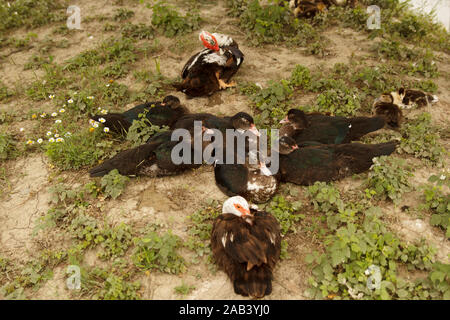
{"type": "Point", "coordinates": [223, 84]}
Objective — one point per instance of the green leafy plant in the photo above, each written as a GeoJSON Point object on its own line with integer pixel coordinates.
{"type": "Point", "coordinates": [166, 18]}
{"type": "Point", "coordinates": [285, 212]}
{"type": "Point", "coordinates": [388, 178]}
{"type": "Point", "coordinates": [8, 149]}
{"type": "Point", "coordinates": [438, 202]}
{"type": "Point", "coordinates": [114, 183]}
{"type": "Point", "coordinates": [421, 139]}
{"type": "Point", "coordinates": [141, 130]}
{"type": "Point", "coordinates": [154, 251]}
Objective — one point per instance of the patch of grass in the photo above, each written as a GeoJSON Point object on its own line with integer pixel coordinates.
{"type": "Point", "coordinates": [141, 130]}
{"type": "Point", "coordinates": [81, 149]}
{"type": "Point", "coordinates": [155, 251]}
{"type": "Point", "coordinates": [200, 229]}
{"type": "Point", "coordinates": [184, 289]}
{"type": "Point", "coordinates": [285, 212]}
{"type": "Point", "coordinates": [104, 284]}
{"type": "Point", "coordinates": [123, 14]}
{"type": "Point", "coordinates": [31, 14]}
{"type": "Point", "coordinates": [438, 202]}
{"type": "Point", "coordinates": [137, 31]}
{"type": "Point", "coordinates": [388, 179]}
{"type": "Point", "coordinates": [8, 149]}
{"type": "Point", "coordinates": [171, 23]}
{"type": "Point", "coordinates": [114, 183]}
{"type": "Point", "coordinates": [421, 139]}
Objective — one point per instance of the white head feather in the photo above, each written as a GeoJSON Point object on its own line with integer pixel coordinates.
{"type": "Point", "coordinates": [229, 205]}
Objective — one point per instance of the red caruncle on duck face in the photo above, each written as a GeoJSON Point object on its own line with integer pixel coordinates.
{"type": "Point", "coordinates": [209, 41]}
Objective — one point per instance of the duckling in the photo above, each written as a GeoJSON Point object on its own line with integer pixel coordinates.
{"type": "Point", "coordinates": [252, 180]}
{"type": "Point", "coordinates": [327, 129]}
{"type": "Point", "coordinates": [246, 245]}
{"type": "Point", "coordinates": [211, 69]}
{"type": "Point", "coordinates": [408, 98]}
{"type": "Point", "coordinates": [385, 107]}
{"type": "Point", "coordinates": [307, 9]}
{"type": "Point", "coordinates": [163, 113]}
{"type": "Point", "coordinates": [312, 161]}
{"type": "Point", "coordinates": [153, 158]}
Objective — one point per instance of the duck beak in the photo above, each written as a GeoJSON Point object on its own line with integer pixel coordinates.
{"type": "Point", "coordinates": [294, 147]}
{"type": "Point", "coordinates": [285, 120]}
{"type": "Point", "coordinates": [254, 130]}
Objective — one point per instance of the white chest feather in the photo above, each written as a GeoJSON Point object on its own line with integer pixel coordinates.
{"type": "Point", "coordinates": [214, 57]}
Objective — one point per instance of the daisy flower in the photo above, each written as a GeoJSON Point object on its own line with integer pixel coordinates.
{"type": "Point", "coordinates": [106, 129]}
{"type": "Point", "coordinates": [70, 101]}
{"type": "Point", "coordinates": [107, 85]}
{"type": "Point", "coordinates": [49, 133]}
{"type": "Point", "coordinates": [51, 96]}
{"type": "Point", "coordinates": [56, 135]}
{"type": "Point", "coordinates": [90, 97]}
{"type": "Point", "coordinates": [102, 120]}
{"type": "Point", "coordinates": [104, 111]}
{"type": "Point", "coordinates": [40, 140]}
{"type": "Point", "coordinates": [22, 129]}
{"type": "Point", "coordinates": [60, 140]}
{"type": "Point", "coordinates": [58, 121]}
{"type": "Point", "coordinates": [43, 115]}
{"type": "Point", "coordinates": [51, 140]}
{"type": "Point", "coordinates": [62, 110]}
{"type": "Point", "coordinates": [442, 177]}
{"type": "Point", "coordinates": [30, 142]}
{"type": "Point", "coordinates": [67, 134]}
{"type": "Point", "coordinates": [95, 125]}
{"type": "Point", "coordinates": [54, 114]}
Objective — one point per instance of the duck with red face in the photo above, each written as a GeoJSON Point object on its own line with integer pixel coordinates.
{"type": "Point", "coordinates": [211, 69]}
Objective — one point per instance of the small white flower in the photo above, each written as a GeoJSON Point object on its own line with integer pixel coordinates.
{"type": "Point", "coordinates": [108, 85]}
{"type": "Point", "coordinates": [62, 110]}
{"type": "Point", "coordinates": [22, 129]}
{"type": "Point", "coordinates": [91, 37]}
{"type": "Point", "coordinates": [40, 140]}
{"type": "Point", "coordinates": [58, 121]}
{"type": "Point", "coordinates": [98, 108]}
{"type": "Point", "coordinates": [104, 111]}
{"type": "Point", "coordinates": [442, 177]}
{"type": "Point", "coordinates": [90, 97]}
{"type": "Point", "coordinates": [56, 135]}
{"type": "Point", "coordinates": [95, 125]}
{"type": "Point", "coordinates": [106, 129]}
{"type": "Point", "coordinates": [60, 140]}
{"type": "Point", "coordinates": [54, 114]}
{"type": "Point", "coordinates": [51, 96]}
{"type": "Point", "coordinates": [67, 134]}
{"type": "Point", "coordinates": [49, 133]}
{"type": "Point", "coordinates": [43, 115]}
{"type": "Point", "coordinates": [44, 82]}
{"type": "Point", "coordinates": [102, 120]}
{"type": "Point", "coordinates": [70, 101]}
{"type": "Point", "coordinates": [30, 142]}
{"type": "Point", "coordinates": [51, 140]}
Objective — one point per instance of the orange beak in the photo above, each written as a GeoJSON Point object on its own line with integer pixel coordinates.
{"type": "Point", "coordinates": [245, 212]}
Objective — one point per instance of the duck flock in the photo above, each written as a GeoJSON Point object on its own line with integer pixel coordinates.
{"type": "Point", "coordinates": [246, 242]}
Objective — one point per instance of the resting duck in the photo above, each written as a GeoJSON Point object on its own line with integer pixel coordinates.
{"type": "Point", "coordinates": [151, 159]}
{"type": "Point", "coordinates": [327, 129]}
{"type": "Point", "coordinates": [211, 69]}
{"type": "Point", "coordinates": [246, 245]}
{"type": "Point", "coordinates": [163, 113]}
{"type": "Point", "coordinates": [391, 112]}
{"type": "Point", "coordinates": [311, 161]}
{"type": "Point", "coordinates": [252, 180]}
{"type": "Point", "coordinates": [408, 98]}
{"type": "Point", "coordinates": [308, 9]}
